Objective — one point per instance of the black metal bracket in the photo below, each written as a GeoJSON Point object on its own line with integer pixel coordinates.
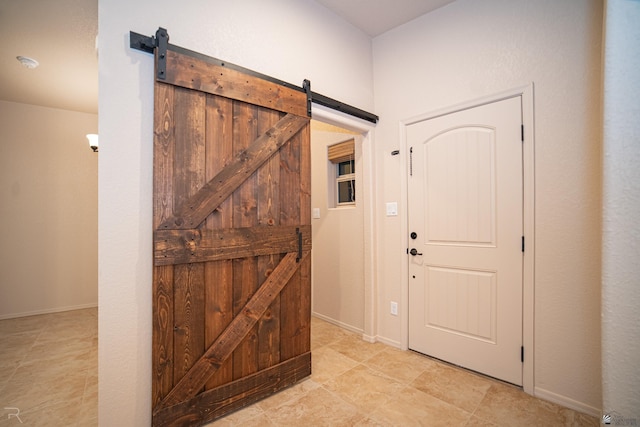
{"type": "Point", "coordinates": [149, 44]}
{"type": "Point", "coordinates": [142, 42]}
{"type": "Point", "coordinates": [306, 85]}
{"type": "Point", "coordinates": [162, 42]}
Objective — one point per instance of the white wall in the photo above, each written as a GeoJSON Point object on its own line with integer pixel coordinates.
{"type": "Point", "coordinates": [471, 49]}
{"type": "Point", "coordinates": [338, 240]}
{"type": "Point", "coordinates": [621, 193]}
{"type": "Point", "coordinates": [288, 39]}
{"type": "Point", "coordinates": [48, 210]}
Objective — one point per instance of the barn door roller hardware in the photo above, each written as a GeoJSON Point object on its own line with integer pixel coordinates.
{"type": "Point", "coordinates": [161, 42]}
{"type": "Point", "coordinates": [148, 44]}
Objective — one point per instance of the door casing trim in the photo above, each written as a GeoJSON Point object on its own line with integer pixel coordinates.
{"type": "Point", "coordinates": [526, 93]}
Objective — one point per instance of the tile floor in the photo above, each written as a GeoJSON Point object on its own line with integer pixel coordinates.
{"type": "Point", "coordinates": [49, 369]}
{"type": "Point", "coordinates": [354, 383]}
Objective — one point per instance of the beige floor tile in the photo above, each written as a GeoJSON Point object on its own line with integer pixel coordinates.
{"type": "Point", "coordinates": [477, 422]}
{"type": "Point", "coordinates": [327, 364]}
{"type": "Point", "coordinates": [261, 420]}
{"type": "Point", "coordinates": [88, 423]}
{"type": "Point", "coordinates": [453, 385]}
{"type": "Point", "coordinates": [403, 366]}
{"type": "Point", "coordinates": [287, 395]}
{"type": "Point", "coordinates": [246, 417]}
{"type": "Point", "coordinates": [324, 333]}
{"type": "Point", "coordinates": [34, 392]}
{"type": "Point", "coordinates": [90, 393]}
{"type": "Point", "coordinates": [59, 351]}
{"type": "Point", "coordinates": [6, 372]}
{"type": "Point", "coordinates": [412, 407]}
{"type": "Point", "coordinates": [318, 407]}
{"type": "Point", "coordinates": [52, 372]}
{"type": "Point", "coordinates": [369, 422]}
{"type": "Point", "coordinates": [574, 418]}
{"type": "Point", "coordinates": [66, 413]}
{"type": "Point", "coordinates": [356, 348]}
{"type": "Point", "coordinates": [15, 346]}
{"type": "Point", "coordinates": [506, 405]}
{"type": "Point", "coordinates": [365, 388]}
{"type": "Point", "coordinates": [23, 324]}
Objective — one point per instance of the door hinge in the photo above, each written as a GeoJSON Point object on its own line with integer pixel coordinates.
{"type": "Point", "coordinates": [522, 133]}
{"type": "Point", "coordinates": [411, 161]}
{"type": "Point", "coordinates": [522, 243]}
{"type": "Point", "coordinates": [522, 354]}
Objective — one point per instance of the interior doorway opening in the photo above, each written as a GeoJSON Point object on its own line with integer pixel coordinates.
{"type": "Point", "coordinates": [342, 256]}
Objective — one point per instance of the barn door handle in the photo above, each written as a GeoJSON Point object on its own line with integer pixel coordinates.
{"type": "Point", "coordinates": [299, 245]}
{"type": "Point", "coordinates": [414, 252]}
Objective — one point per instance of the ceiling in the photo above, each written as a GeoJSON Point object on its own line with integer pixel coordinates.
{"type": "Point", "coordinates": [61, 36]}
{"type": "Point", "coordinates": [375, 17]}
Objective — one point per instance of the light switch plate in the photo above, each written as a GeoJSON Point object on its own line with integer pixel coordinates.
{"type": "Point", "coordinates": [392, 208]}
{"type": "Point", "coordinates": [316, 213]}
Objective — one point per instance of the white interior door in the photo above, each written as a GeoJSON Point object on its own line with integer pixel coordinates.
{"type": "Point", "coordinates": [465, 208]}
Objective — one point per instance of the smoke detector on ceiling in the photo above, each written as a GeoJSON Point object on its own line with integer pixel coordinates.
{"type": "Point", "coordinates": [28, 62]}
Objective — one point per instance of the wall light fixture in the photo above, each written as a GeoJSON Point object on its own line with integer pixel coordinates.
{"type": "Point", "coordinates": [93, 141]}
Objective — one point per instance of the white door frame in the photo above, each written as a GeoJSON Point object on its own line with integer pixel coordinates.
{"type": "Point", "coordinates": [367, 196]}
{"type": "Point", "coordinates": [528, 283]}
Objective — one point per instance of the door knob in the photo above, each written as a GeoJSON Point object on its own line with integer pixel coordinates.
{"type": "Point", "coordinates": [414, 252]}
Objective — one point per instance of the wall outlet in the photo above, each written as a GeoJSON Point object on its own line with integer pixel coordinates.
{"type": "Point", "coordinates": [394, 308]}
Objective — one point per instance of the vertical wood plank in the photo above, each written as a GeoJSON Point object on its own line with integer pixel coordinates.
{"type": "Point", "coordinates": [269, 215]}
{"type": "Point", "coordinates": [219, 274]}
{"type": "Point", "coordinates": [304, 341]}
{"type": "Point", "coordinates": [305, 174]}
{"type": "Point", "coordinates": [290, 215]}
{"type": "Point", "coordinates": [245, 274]}
{"type": "Point", "coordinates": [163, 152]}
{"type": "Point", "coordinates": [188, 177]}
{"type": "Point", "coordinates": [162, 340]}
{"type": "Point", "coordinates": [189, 314]}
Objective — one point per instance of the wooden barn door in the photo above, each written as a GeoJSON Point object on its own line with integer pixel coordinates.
{"type": "Point", "coordinates": [232, 239]}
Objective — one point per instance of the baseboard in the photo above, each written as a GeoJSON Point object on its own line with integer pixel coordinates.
{"type": "Point", "coordinates": [389, 342]}
{"type": "Point", "coordinates": [47, 311]}
{"type": "Point", "coordinates": [337, 323]}
{"type": "Point", "coordinates": [369, 338]}
{"type": "Point", "coordinates": [567, 402]}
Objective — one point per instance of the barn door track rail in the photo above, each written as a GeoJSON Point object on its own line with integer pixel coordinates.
{"type": "Point", "coordinates": [161, 42]}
